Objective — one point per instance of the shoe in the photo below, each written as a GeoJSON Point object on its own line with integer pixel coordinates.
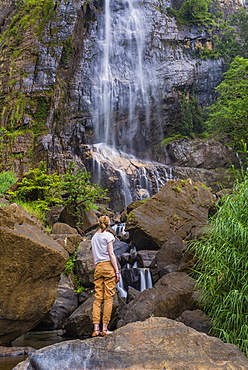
{"type": "Point", "coordinates": [106, 332]}
{"type": "Point", "coordinates": [96, 333]}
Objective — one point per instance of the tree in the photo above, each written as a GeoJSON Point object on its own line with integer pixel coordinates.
{"type": "Point", "coordinates": [229, 115]}
{"type": "Point", "coordinates": [221, 270]}
{"type": "Point", "coordinates": [191, 118]}
{"type": "Point", "coordinates": [81, 194]}
{"type": "Point", "coordinates": [193, 12]}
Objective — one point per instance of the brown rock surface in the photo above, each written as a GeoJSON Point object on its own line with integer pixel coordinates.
{"type": "Point", "coordinates": [179, 208]}
{"type": "Point", "coordinates": [30, 266]}
{"type": "Point", "coordinates": [157, 343]}
{"type": "Point", "coordinates": [170, 296]}
{"type": "Point", "coordinates": [84, 264]}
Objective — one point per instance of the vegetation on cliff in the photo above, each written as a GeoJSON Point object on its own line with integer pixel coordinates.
{"type": "Point", "coordinates": [193, 12]}
{"type": "Point", "coordinates": [221, 269]}
{"type": "Point", "coordinates": [44, 190]}
{"type": "Point", "coordinates": [228, 116]}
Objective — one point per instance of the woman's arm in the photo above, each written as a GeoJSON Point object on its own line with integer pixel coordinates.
{"type": "Point", "coordinates": [113, 260]}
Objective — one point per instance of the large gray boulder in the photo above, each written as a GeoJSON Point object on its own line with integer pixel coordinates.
{"type": "Point", "coordinates": [30, 266]}
{"type": "Point", "coordinates": [157, 343]}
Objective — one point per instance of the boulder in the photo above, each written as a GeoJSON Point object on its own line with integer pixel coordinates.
{"type": "Point", "coordinates": [146, 257]}
{"type": "Point", "coordinates": [85, 265]}
{"type": "Point", "coordinates": [120, 247]}
{"type": "Point", "coordinates": [69, 242]}
{"type": "Point", "coordinates": [131, 294]}
{"type": "Point", "coordinates": [87, 221]}
{"type": "Point", "coordinates": [196, 319]}
{"type": "Point", "coordinates": [30, 267]}
{"type": "Point", "coordinates": [65, 304]}
{"type": "Point", "coordinates": [168, 258]}
{"type": "Point", "coordinates": [157, 343]}
{"type": "Point", "coordinates": [80, 324]}
{"type": "Point", "coordinates": [62, 228]}
{"type": "Point", "coordinates": [170, 296]}
{"type": "Point", "coordinates": [179, 208]}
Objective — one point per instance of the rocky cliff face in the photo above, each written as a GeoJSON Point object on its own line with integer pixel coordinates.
{"type": "Point", "coordinates": [66, 81]}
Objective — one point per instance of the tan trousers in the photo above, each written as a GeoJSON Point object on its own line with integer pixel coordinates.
{"type": "Point", "coordinates": [105, 286]}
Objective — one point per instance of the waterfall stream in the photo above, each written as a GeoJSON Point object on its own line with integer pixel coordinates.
{"type": "Point", "coordinates": [123, 89]}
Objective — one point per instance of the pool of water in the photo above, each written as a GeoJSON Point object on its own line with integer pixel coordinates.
{"type": "Point", "coordinates": [31, 339]}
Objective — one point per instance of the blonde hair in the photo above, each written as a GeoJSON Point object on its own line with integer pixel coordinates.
{"type": "Point", "coordinates": [104, 222]}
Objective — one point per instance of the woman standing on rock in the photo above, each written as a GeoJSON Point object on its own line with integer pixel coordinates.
{"type": "Point", "coordinates": [106, 276]}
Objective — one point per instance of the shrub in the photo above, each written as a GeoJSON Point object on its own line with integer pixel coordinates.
{"type": "Point", "coordinates": [221, 270]}
{"type": "Point", "coordinates": [6, 180]}
{"type": "Point", "coordinates": [39, 187]}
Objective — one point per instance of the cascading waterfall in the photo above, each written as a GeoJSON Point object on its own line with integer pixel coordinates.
{"type": "Point", "coordinates": [123, 86]}
{"type": "Point", "coordinates": [123, 79]}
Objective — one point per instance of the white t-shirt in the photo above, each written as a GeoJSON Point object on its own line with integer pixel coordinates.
{"type": "Point", "coordinates": [99, 243]}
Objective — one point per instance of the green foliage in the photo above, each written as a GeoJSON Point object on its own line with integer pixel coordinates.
{"type": "Point", "coordinates": [232, 38]}
{"type": "Point", "coordinates": [32, 207]}
{"type": "Point", "coordinates": [70, 269]}
{"type": "Point", "coordinates": [39, 187]}
{"type": "Point", "coordinates": [228, 116]}
{"type": "Point", "coordinates": [67, 52]}
{"type": "Point", "coordinates": [221, 269]}
{"type": "Point", "coordinates": [76, 183]}
{"type": "Point", "coordinates": [70, 264]}
{"type": "Point", "coordinates": [192, 117]}
{"type": "Point", "coordinates": [193, 12]}
{"type": "Point", "coordinates": [6, 180]}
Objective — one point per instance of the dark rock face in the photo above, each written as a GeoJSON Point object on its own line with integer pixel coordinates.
{"type": "Point", "coordinates": [208, 154]}
{"type": "Point", "coordinates": [157, 343]}
{"type": "Point", "coordinates": [65, 304]}
{"type": "Point", "coordinates": [170, 296]}
{"type": "Point", "coordinates": [30, 267]}
{"type": "Point", "coordinates": [168, 258]}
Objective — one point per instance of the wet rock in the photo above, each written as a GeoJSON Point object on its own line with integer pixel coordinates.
{"type": "Point", "coordinates": [65, 304]}
{"type": "Point", "coordinates": [170, 296]}
{"type": "Point", "coordinates": [178, 209]}
{"type": "Point", "coordinates": [30, 267]}
{"type": "Point", "coordinates": [168, 258]}
{"type": "Point", "coordinates": [196, 319]}
{"type": "Point", "coordinates": [15, 351]}
{"type": "Point", "coordinates": [131, 294]}
{"type": "Point", "coordinates": [157, 343]}
{"type": "Point", "coordinates": [120, 247]}
{"type": "Point", "coordinates": [145, 257]}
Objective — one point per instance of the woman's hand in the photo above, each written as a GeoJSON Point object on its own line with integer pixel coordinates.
{"type": "Point", "coordinates": [118, 277]}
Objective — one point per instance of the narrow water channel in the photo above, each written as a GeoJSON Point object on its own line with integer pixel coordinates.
{"type": "Point", "coordinates": [36, 340]}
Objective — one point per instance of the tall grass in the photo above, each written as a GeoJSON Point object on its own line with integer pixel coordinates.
{"type": "Point", "coordinates": [32, 207]}
{"type": "Point", "coordinates": [6, 180]}
{"type": "Point", "coordinates": [221, 269]}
